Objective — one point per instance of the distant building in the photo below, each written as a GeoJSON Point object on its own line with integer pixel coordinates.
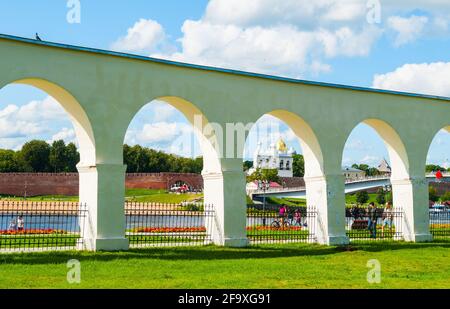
{"type": "Point", "coordinates": [278, 157]}
{"type": "Point", "coordinates": [384, 168]}
{"type": "Point", "coordinates": [353, 173]}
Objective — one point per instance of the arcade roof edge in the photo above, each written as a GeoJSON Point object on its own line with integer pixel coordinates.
{"type": "Point", "coordinates": [220, 70]}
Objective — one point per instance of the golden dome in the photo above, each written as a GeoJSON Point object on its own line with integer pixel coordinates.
{"type": "Point", "coordinates": [281, 146]}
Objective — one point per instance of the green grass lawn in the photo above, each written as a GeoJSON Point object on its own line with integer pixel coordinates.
{"type": "Point", "coordinates": [350, 199]}
{"type": "Point", "coordinates": [44, 198]}
{"type": "Point", "coordinates": [158, 196]}
{"type": "Point", "coordinates": [135, 195]}
{"type": "Point", "coordinates": [38, 241]}
{"type": "Point", "coordinates": [403, 265]}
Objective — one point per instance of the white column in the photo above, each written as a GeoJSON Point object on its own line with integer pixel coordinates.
{"type": "Point", "coordinates": [225, 191]}
{"type": "Point", "coordinates": [411, 195]}
{"type": "Point", "coordinates": [326, 195]}
{"type": "Point", "coordinates": [102, 190]}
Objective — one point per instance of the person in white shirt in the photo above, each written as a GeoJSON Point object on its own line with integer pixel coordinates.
{"type": "Point", "coordinates": [20, 223]}
{"type": "Point", "coordinates": [388, 217]}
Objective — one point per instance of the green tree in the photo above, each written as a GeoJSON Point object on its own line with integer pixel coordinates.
{"type": "Point", "coordinates": [298, 165]}
{"type": "Point", "coordinates": [381, 197]}
{"type": "Point", "coordinates": [36, 155]}
{"type": "Point", "coordinates": [58, 156]}
{"type": "Point", "coordinates": [430, 168]}
{"type": "Point", "coordinates": [433, 196]}
{"type": "Point", "coordinates": [389, 197]}
{"type": "Point", "coordinates": [72, 158]}
{"type": "Point", "coordinates": [248, 165]}
{"type": "Point", "coordinates": [264, 174]}
{"type": "Point", "coordinates": [8, 162]}
{"type": "Point", "coordinates": [362, 197]}
{"type": "Point", "coordinates": [145, 160]}
{"type": "Point", "coordinates": [445, 197]}
{"type": "Point", "coordinates": [372, 171]}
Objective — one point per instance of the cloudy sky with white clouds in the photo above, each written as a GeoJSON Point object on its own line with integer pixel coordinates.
{"type": "Point", "coordinates": [325, 40]}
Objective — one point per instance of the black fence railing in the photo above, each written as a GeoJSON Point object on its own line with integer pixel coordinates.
{"type": "Point", "coordinates": [152, 224]}
{"type": "Point", "coordinates": [382, 224]}
{"type": "Point", "coordinates": [41, 226]}
{"type": "Point", "coordinates": [266, 225]}
{"type": "Point", "coordinates": [440, 223]}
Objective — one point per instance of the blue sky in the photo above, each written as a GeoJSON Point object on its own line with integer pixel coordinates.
{"type": "Point", "coordinates": [325, 40]}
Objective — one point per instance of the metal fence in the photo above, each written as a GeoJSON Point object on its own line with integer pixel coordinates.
{"type": "Point", "coordinates": [266, 225]}
{"type": "Point", "coordinates": [41, 226]}
{"type": "Point", "coordinates": [152, 224]}
{"type": "Point", "coordinates": [440, 223]}
{"type": "Point", "coordinates": [381, 225]}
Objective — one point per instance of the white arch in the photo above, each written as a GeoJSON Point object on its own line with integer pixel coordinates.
{"type": "Point", "coordinates": [79, 119]}
{"type": "Point", "coordinates": [200, 123]}
{"type": "Point", "coordinates": [394, 145]}
{"type": "Point", "coordinates": [430, 142]}
{"type": "Point", "coordinates": [312, 152]}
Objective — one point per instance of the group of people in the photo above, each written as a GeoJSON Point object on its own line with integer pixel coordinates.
{"type": "Point", "coordinates": [17, 224]}
{"type": "Point", "coordinates": [373, 214]}
{"type": "Point", "coordinates": [284, 213]}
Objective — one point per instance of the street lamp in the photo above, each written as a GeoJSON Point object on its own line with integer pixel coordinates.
{"type": "Point", "coordinates": [386, 188]}
{"type": "Point", "coordinates": [264, 185]}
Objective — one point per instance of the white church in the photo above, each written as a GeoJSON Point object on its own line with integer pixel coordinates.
{"type": "Point", "coordinates": [277, 156]}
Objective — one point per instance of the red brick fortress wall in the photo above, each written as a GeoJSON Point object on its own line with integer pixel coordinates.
{"type": "Point", "coordinates": [21, 184]}
{"type": "Point", "coordinates": [34, 184]}
{"type": "Point", "coordinates": [163, 181]}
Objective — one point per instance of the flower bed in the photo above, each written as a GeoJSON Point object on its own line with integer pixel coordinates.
{"type": "Point", "coordinates": [271, 228]}
{"type": "Point", "coordinates": [440, 226]}
{"type": "Point", "coordinates": [170, 230]}
{"type": "Point", "coordinates": [32, 232]}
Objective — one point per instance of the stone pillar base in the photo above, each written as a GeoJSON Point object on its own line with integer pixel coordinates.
{"type": "Point", "coordinates": [105, 244]}
{"type": "Point", "coordinates": [419, 238]}
{"type": "Point", "coordinates": [235, 242]}
{"type": "Point", "coordinates": [334, 241]}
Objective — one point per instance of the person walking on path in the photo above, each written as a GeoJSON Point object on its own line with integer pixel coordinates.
{"type": "Point", "coordinates": [20, 224]}
{"type": "Point", "coordinates": [388, 217]}
{"type": "Point", "coordinates": [372, 223]}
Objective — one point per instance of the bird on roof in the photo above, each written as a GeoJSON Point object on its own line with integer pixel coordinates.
{"type": "Point", "coordinates": [37, 37]}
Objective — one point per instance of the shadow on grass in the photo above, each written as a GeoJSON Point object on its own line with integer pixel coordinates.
{"type": "Point", "coordinates": [211, 252]}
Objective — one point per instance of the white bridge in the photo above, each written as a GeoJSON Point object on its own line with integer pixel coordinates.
{"type": "Point", "coordinates": [351, 186]}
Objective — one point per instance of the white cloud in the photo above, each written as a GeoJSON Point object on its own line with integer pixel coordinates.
{"type": "Point", "coordinates": [145, 35]}
{"type": "Point", "coordinates": [162, 111]}
{"type": "Point", "coordinates": [65, 134]}
{"type": "Point", "coordinates": [370, 160]}
{"type": "Point", "coordinates": [155, 133]}
{"type": "Point", "coordinates": [358, 145]}
{"type": "Point", "coordinates": [427, 78]}
{"type": "Point", "coordinates": [281, 49]}
{"type": "Point", "coordinates": [288, 38]}
{"type": "Point", "coordinates": [262, 12]}
{"type": "Point", "coordinates": [408, 29]}
{"type": "Point", "coordinates": [35, 119]}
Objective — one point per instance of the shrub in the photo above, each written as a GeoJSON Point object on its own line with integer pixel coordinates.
{"type": "Point", "coordinates": [433, 196]}
{"type": "Point", "coordinates": [362, 197]}
{"type": "Point", "coordinates": [193, 207]}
